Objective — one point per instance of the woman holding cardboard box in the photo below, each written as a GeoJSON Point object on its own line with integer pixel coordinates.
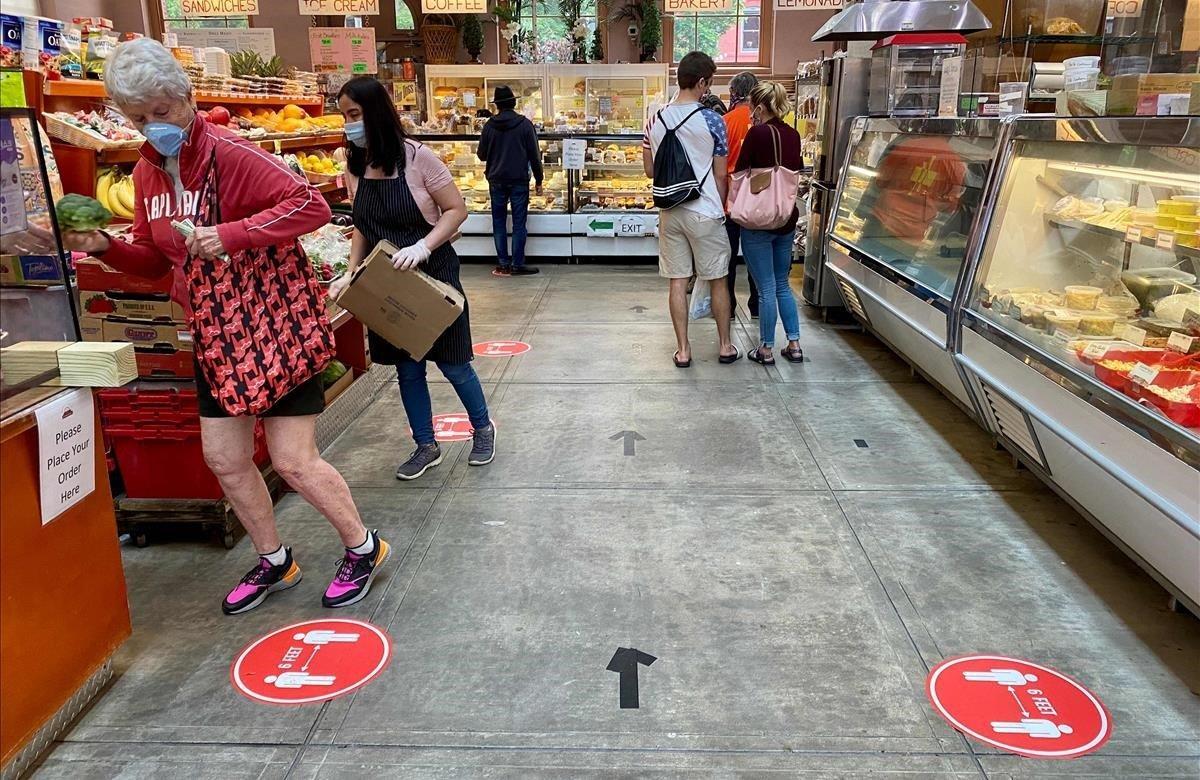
{"type": "Point", "coordinates": [405, 194]}
{"type": "Point", "coordinates": [256, 312]}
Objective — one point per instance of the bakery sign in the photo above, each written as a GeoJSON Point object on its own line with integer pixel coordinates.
{"type": "Point", "coordinates": [698, 6]}
{"type": "Point", "coordinates": [454, 6]}
{"type": "Point", "coordinates": [190, 9]}
{"type": "Point", "coordinates": [809, 5]}
{"type": "Point", "coordinates": [339, 7]}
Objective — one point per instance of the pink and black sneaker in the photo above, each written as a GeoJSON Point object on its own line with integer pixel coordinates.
{"type": "Point", "coordinates": [260, 582]}
{"type": "Point", "coordinates": [354, 575]}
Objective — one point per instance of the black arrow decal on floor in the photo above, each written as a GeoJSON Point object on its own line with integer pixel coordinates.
{"type": "Point", "coordinates": [625, 661]}
{"type": "Point", "coordinates": [638, 309]}
{"type": "Point", "coordinates": [630, 438]}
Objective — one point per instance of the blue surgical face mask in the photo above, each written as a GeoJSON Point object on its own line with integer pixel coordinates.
{"type": "Point", "coordinates": [356, 133]}
{"type": "Point", "coordinates": [166, 138]}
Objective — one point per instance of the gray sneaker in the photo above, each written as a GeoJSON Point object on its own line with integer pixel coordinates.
{"type": "Point", "coordinates": [483, 451]}
{"type": "Point", "coordinates": [423, 459]}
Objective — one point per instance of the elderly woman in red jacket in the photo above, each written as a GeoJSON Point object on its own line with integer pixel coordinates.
{"type": "Point", "coordinates": [262, 204]}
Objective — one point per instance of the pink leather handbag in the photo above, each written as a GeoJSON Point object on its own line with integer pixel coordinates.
{"type": "Point", "coordinates": [764, 198]}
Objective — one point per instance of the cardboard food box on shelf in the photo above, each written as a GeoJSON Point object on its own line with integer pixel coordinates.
{"type": "Point", "coordinates": [134, 306]}
{"type": "Point", "coordinates": [410, 309]}
{"type": "Point", "coordinates": [30, 269]}
{"type": "Point", "coordinates": [93, 274]}
{"type": "Point", "coordinates": [140, 333]}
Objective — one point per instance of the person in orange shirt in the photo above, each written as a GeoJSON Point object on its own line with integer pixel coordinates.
{"type": "Point", "coordinates": [737, 123]}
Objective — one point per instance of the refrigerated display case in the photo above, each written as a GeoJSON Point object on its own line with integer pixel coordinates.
{"type": "Point", "coordinates": [549, 223]}
{"type": "Point", "coordinates": [604, 99]}
{"type": "Point", "coordinates": [455, 94]}
{"type": "Point", "coordinates": [842, 95]}
{"type": "Point", "coordinates": [902, 221]}
{"type": "Point", "coordinates": [1079, 325]}
{"type": "Point", "coordinates": [613, 208]}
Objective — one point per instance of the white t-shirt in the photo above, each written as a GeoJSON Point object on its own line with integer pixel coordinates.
{"type": "Point", "coordinates": [703, 136]}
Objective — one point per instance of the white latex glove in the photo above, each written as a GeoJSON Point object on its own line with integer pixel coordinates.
{"type": "Point", "coordinates": [338, 286]}
{"type": "Point", "coordinates": [411, 256]}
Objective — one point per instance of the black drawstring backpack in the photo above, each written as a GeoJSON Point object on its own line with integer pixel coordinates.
{"type": "Point", "coordinates": [675, 180]}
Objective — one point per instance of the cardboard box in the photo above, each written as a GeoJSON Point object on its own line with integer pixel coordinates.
{"type": "Point", "coordinates": [30, 269]}
{"type": "Point", "coordinates": [141, 334]}
{"type": "Point", "coordinates": [410, 309]}
{"type": "Point", "coordinates": [339, 387]}
{"type": "Point", "coordinates": [129, 306]}
{"type": "Point", "coordinates": [92, 274]}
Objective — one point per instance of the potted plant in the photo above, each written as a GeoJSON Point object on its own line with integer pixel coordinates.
{"type": "Point", "coordinates": [508, 18]}
{"type": "Point", "coordinates": [472, 38]}
{"type": "Point", "coordinates": [577, 29]}
{"type": "Point", "coordinates": [651, 34]}
{"type": "Point", "coordinates": [597, 52]}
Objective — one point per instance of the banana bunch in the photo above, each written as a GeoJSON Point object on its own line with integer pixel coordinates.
{"type": "Point", "coordinates": [114, 189]}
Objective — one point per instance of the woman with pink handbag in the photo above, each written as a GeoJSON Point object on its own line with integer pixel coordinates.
{"type": "Point", "coordinates": [763, 201]}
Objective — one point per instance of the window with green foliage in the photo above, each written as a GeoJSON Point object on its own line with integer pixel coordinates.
{"type": "Point", "coordinates": [544, 19]}
{"type": "Point", "coordinates": [404, 16]}
{"type": "Point", "coordinates": [733, 37]}
{"type": "Point", "coordinates": [173, 18]}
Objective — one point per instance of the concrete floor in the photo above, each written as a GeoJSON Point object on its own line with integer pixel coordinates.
{"type": "Point", "coordinates": [796, 587]}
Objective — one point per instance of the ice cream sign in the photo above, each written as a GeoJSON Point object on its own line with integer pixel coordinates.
{"type": "Point", "coordinates": [1019, 706]}
{"type": "Point", "coordinates": [311, 662]}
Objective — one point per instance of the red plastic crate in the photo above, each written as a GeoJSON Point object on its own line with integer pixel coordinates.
{"type": "Point", "coordinates": [146, 402]}
{"type": "Point", "coordinates": [1185, 413]}
{"type": "Point", "coordinates": [166, 461]}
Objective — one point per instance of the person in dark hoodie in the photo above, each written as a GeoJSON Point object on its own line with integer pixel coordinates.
{"type": "Point", "coordinates": [509, 146]}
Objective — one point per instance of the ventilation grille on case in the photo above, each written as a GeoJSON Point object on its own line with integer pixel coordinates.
{"type": "Point", "coordinates": [850, 295]}
{"type": "Point", "coordinates": [1012, 423]}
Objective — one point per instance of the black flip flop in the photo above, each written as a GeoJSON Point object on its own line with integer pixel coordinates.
{"type": "Point", "coordinates": [681, 363]}
{"type": "Point", "coordinates": [735, 357]}
{"type": "Point", "coordinates": [793, 356]}
{"type": "Point", "coordinates": [757, 357]}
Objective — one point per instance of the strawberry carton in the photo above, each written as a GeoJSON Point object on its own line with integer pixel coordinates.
{"type": "Point", "coordinates": [92, 274]}
{"type": "Point", "coordinates": [157, 307]}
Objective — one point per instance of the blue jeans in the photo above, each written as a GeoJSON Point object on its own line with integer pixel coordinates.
{"type": "Point", "coordinates": [518, 196]}
{"type": "Point", "coordinates": [769, 256]}
{"type": "Point", "coordinates": [414, 392]}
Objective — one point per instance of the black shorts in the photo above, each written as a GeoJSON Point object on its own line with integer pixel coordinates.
{"type": "Point", "coordinates": [305, 400]}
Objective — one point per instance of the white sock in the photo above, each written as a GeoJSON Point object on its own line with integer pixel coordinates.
{"type": "Point", "coordinates": [276, 558]}
{"type": "Point", "coordinates": [366, 548]}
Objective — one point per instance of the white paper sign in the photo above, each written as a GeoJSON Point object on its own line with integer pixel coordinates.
{"type": "Point", "coordinates": [1133, 234]}
{"type": "Point", "coordinates": [66, 452]}
{"type": "Point", "coordinates": [631, 227]}
{"type": "Point", "coordinates": [574, 154]}
{"type": "Point", "coordinates": [1180, 342]}
{"type": "Point", "coordinates": [1165, 240]}
{"type": "Point", "coordinates": [231, 39]}
{"type": "Point", "coordinates": [948, 96]}
{"type": "Point", "coordinates": [1097, 349]}
{"type": "Point", "coordinates": [1143, 374]}
{"type": "Point", "coordinates": [1130, 333]}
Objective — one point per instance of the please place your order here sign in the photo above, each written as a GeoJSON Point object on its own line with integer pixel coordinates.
{"type": "Point", "coordinates": [66, 452]}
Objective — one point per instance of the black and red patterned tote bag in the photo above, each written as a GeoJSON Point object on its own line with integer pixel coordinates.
{"type": "Point", "coordinates": [259, 322]}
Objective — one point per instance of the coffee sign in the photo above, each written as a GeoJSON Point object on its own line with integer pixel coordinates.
{"type": "Point", "coordinates": [454, 6]}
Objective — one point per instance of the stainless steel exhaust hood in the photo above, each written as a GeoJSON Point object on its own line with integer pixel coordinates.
{"type": "Point", "coordinates": [870, 20]}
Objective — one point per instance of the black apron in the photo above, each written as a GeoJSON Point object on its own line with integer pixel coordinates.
{"type": "Point", "coordinates": [384, 209]}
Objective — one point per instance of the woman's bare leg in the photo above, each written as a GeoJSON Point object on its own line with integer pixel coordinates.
{"type": "Point", "coordinates": [293, 445]}
{"type": "Point", "coordinates": [229, 452]}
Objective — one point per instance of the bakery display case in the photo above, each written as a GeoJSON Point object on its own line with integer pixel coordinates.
{"type": "Point", "coordinates": [549, 221]}
{"type": "Point", "coordinates": [1080, 325]}
{"type": "Point", "coordinates": [604, 99]}
{"type": "Point", "coordinates": [455, 94]}
{"type": "Point", "coordinates": [906, 72]}
{"type": "Point", "coordinates": [613, 178]}
{"type": "Point", "coordinates": [902, 219]}
{"type": "Point", "coordinates": [36, 307]}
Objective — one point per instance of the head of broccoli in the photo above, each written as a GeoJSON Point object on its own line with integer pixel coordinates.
{"type": "Point", "coordinates": [81, 213]}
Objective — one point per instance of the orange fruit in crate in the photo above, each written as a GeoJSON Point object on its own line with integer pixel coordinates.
{"type": "Point", "coordinates": [293, 111]}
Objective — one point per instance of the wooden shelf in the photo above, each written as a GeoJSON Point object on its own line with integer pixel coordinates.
{"type": "Point", "coordinates": [117, 156]}
{"type": "Point", "coordinates": [90, 88]}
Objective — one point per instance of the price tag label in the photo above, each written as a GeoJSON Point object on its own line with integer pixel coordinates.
{"type": "Point", "coordinates": [1130, 333]}
{"type": "Point", "coordinates": [1097, 349]}
{"type": "Point", "coordinates": [468, 99]}
{"type": "Point", "coordinates": [1165, 240]}
{"type": "Point", "coordinates": [1181, 342]}
{"type": "Point", "coordinates": [1143, 374]}
{"type": "Point", "coordinates": [1133, 234]}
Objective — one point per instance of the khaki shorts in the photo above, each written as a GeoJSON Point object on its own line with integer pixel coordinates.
{"type": "Point", "coordinates": [691, 243]}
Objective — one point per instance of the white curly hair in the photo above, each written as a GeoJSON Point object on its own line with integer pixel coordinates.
{"type": "Point", "coordinates": [143, 69]}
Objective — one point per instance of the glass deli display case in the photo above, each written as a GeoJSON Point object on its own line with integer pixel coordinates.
{"type": "Point", "coordinates": [902, 221]}
{"type": "Point", "coordinates": [613, 178]}
{"type": "Point", "coordinates": [604, 99]}
{"type": "Point", "coordinates": [1080, 325]}
{"type": "Point", "coordinates": [906, 72]}
{"type": "Point", "coordinates": [36, 307]}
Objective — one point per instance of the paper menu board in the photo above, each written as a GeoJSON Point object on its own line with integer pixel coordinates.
{"type": "Point", "coordinates": [231, 39]}
{"type": "Point", "coordinates": [343, 50]}
{"type": "Point", "coordinates": [948, 95]}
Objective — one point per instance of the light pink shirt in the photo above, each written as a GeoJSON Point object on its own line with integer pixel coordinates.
{"type": "Point", "coordinates": [425, 174]}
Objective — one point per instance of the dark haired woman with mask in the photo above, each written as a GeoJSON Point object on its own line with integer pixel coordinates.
{"type": "Point", "coordinates": [404, 193]}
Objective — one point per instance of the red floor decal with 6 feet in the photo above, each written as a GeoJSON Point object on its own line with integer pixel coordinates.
{"type": "Point", "coordinates": [312, 661]}
{"type": "Point", "coordinates": [1018, 706]}
{"type": "Point", "coordinates": [500, 348]}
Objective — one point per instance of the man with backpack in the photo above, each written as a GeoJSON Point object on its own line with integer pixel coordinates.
{"type": "Point", "coordinates": [684, 152]}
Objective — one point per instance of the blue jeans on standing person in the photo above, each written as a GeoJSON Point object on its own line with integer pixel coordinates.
{"type": "Point", "coordinates": [518, 196]}
{"type": "Point", "coordinates": [414, 392]}
{"type": "Point", "coordinates": [769, 256]}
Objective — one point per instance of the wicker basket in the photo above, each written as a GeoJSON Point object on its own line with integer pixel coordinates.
{"type": "Point", "coordinates": [441, 39]}
{"type": "Point", "coordinates": [76, 136]}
